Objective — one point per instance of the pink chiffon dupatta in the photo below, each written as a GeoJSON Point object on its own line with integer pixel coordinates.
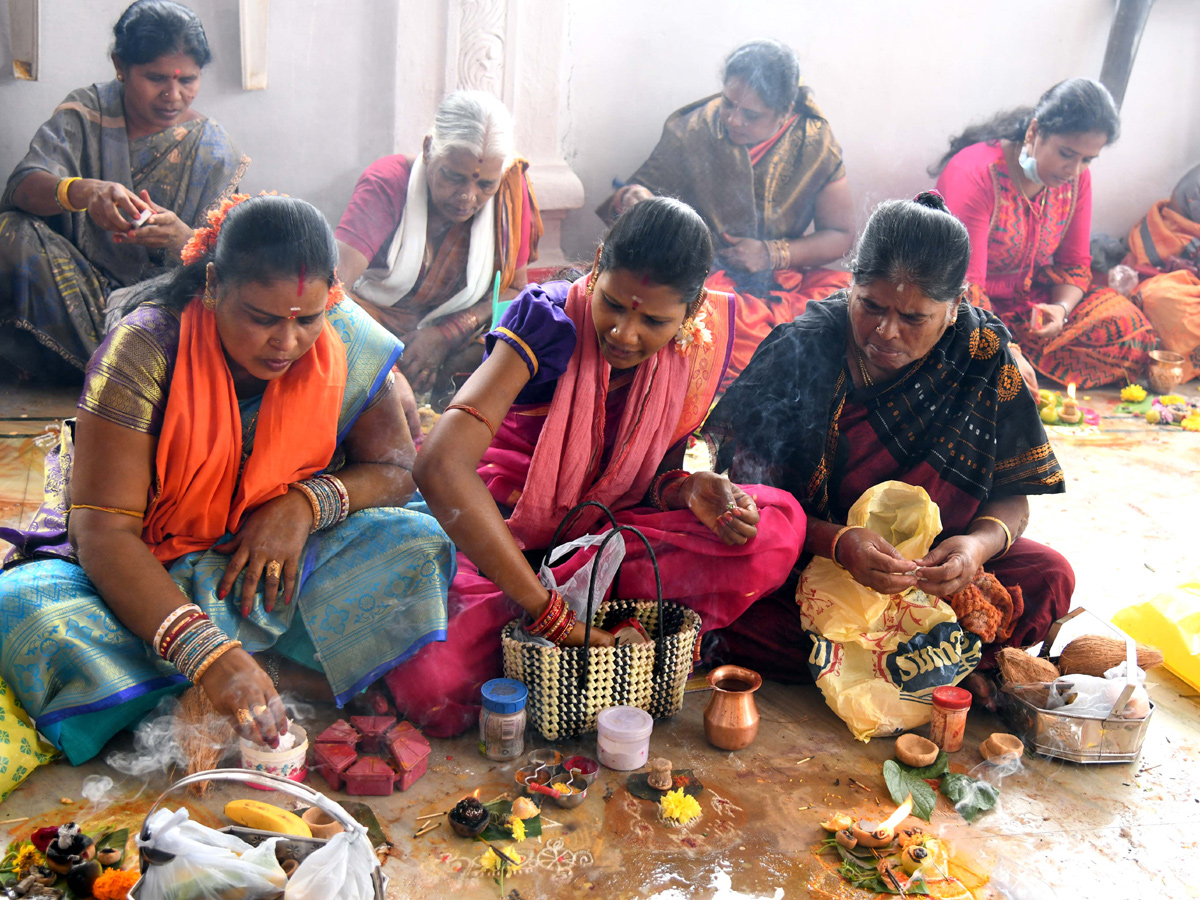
{"type": "Point", "coordinates": [564, 470]}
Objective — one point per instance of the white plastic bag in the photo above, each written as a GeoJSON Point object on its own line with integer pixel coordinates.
{"type": "Point", "coordinates": [1093, 698]}
{"type": "Point", "coordinates": [575, 590]}
{"type": "Point", "coordinates": [341, 869]}
{"type": "Point", "coordinates": [207, 865]}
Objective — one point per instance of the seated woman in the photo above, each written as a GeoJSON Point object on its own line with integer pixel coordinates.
{"type": "Point", "coordinates": [899, 379]}
{"type": "Point", "coordinates": [192, 516]}
{"type": "Point", "coordinates": [1021, 184]}
{"type": "Point", "coordinates": [110, 154]}
{"type": "Point", "coordinates": [759, 162]}
{"type": "Point", "coordinates": [423, 238]}
{"type": "Point", "coordinates": [595, 387]}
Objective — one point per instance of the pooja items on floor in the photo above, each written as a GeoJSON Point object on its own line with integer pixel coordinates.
{"type": "Point", "coordinates": [948, 720]}
{"type": "Point", "coordinates": [1000, 748]}
{"type": "Point", "coordinates": [913, 750]}
{"type": "Point", "coordinates": [468, 817]}
{"type": "Point", "coordinates": [623, 737]}
{"type": "Point", "coordinates": [1165, 371]}
{"type": "Point", "coordinates": [336, 755]}
{"type": "Point", "coordinates": [288, 760]}
{"type": "Point", "coordinates": [660, 774]}
{"type": "Point", "coordinates": [502, 719]}
{"type": "Point", "coordinates": [70, 842]}
{"type": "Point", "coordinates": [266, 817]}
{"type": "Point", "coordinates": [731, 717]}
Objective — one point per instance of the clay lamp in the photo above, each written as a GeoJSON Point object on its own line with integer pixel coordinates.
{"type": "Point", "coordinates": [846, 838]}
{"type": "Point", "coordinates": [108, 856]}
{"type": "Point", "coordinates": [874, 835]}
{"type": "Point", "coordinates": [1070, 411]}
{"type": "Point", "coordinates": [1001, 748]}
{"type": "Point", "coordinates": [915, 751]}
{"type": "Point", "coordinates": [469, 818]}
{"type": "Point", "coordinates": [70, 842]}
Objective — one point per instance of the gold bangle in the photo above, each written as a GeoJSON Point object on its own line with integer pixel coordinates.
{"type": "Point", "coordinates": [60, 194]}
{"type": "Point", "coordinates": [837, 537]}
{"type": "Point", "coordinates": [213, 657]}
{"type": "Point", "coordinates": [1008, 538]}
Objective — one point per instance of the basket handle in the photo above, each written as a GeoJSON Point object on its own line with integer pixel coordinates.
{"type": "Point", "coordinates": [591, 599]}
{"type": "Point", "coordinates": [1130, 656]}
{"type": "Point", "coordinates": [569, 518]}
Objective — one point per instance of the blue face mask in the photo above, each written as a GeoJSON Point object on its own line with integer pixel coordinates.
{"type": "Point", "coordinates": [1029, 167]}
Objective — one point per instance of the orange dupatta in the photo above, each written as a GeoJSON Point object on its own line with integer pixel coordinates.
{"type": "Point", "coordinates": [200, 446]}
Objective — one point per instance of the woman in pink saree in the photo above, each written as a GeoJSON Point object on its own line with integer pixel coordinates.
{"type": "Point", "coordinates": [596, 387]}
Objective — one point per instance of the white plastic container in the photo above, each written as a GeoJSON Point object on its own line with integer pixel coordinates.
{"type": "Point", "coordinates": [285, 763]}
{"type": "Point", "coordinates": [623, 737]}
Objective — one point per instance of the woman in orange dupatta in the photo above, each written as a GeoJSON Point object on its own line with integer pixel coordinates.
{"type": "Point", "coordinates": [595, 388]}
{"type": "Point", "coordinates": [192, 514]}
{"type": "Point", "coordinates": [423, 238]}
{"type": "Point", "coordinates": [759, 162]}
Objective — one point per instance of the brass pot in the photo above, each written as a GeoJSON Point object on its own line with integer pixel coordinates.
{"type": "Point", "coordinates": [1165, 371]}
{"type": "Point", "coordinates": [731, 717]}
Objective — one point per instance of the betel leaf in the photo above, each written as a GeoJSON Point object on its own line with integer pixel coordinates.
{"type": "Point", "coordinates": [970, 795]}
{"type": "Point", "coordinates": [116, 840]}
{"type": "Point", "coordinates": [498, 829]}
{"type": "Point", "coordinates": [902, 781]}
{"type": "Point", "coordinates": [936, 769]}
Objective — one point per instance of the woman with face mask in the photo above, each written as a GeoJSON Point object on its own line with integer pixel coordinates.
{"type": "Point", "coordinates": [590, 392]}
{"type": "Point", "coordinates": [760, 163]}
{"type": "Point", "coordinates": [1020, 183]}
{"type": "Point", "coordinates": [900, 378]}
{"type": "Point", "coordinates": [222, 507]}
{"type": "Point", "coordinates": [423, 237]}
{"type": "Point", "coordinates": [131, 151]}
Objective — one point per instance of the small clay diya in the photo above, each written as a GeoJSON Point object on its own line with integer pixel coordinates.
{"type": "Point", "coordinates": [321, 823]}
{"type": "Point", "coordinates": [914, 750]}
{"type": "Point", "coordinates": [469, 818]}
{"type": "Point", "coordinates": [1001, 748]}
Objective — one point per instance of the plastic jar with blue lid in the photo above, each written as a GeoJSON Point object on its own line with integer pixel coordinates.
{"type": "Point", "coordinates": [502, 719]}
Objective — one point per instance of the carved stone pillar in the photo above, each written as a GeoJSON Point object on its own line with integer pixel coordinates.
{"type": "Point", "coordinates": [513, 49]}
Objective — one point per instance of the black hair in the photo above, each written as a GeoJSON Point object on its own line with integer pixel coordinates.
{"type": "Point", "coordinates": [1074, 106]}
{"type": "Point", "coordinates": [917, 242]}
{"type": "Point", "coordinates": [261, 239]}
{"type": "Point", "coordinates": [149, 29]}
{"type": "Point", "coordinates": [770, 68]}
{"type": "Point", "coordinates": [664, 240]}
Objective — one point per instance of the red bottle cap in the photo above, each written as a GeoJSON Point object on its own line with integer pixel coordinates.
{"type": "Point", "coordinates": [952, 698]}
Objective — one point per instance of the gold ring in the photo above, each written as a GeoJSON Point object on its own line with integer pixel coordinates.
{"type": "Point", "coordinates": [244, 717]}
{"type": "Point", "coordinates": [260, 710]}
{"type": "Point", "coordinates": [274, 567]}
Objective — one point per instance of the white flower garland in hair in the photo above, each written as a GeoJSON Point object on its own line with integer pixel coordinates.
{"type": "Point", "coordinates": [692, 331]}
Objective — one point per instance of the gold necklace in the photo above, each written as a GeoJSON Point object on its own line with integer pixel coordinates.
{"type": "Point", "coordinates": [862, 369]}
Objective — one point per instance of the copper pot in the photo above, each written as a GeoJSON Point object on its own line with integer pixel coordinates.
{"type": "Point", "coordinates": [1165, 371]}
{"type": "Point", "coordinates": [731, 717]}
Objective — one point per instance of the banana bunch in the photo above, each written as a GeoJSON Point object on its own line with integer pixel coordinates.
{"type": "Point", "coordinates": [266, 817]}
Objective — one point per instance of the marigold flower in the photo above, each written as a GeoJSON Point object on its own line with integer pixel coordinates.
{"type": "Point", "coordinates": [517, 826]}
{"type": "Point", "coordinates": [115, 884]}
{"type": "Point", "coordinates": [679, 807]}
{"type": "Point", "coordinates": [1133, 393]}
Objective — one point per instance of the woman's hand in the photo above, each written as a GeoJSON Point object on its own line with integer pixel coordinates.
{"type": "Point", "coordinates": [600, 637]}
{"type": "Point", "coordinates": [745, 254]}
{"type": "Point", "coordinates": [110, 205]}
{"type": "Point", "coordinates": [951, 565]}
{"type": "Point", "coordinates": [163, 230]}
{"type": "Point", "coordinates": [236, 682]}
{"type": "Point", "coordinates": [423, 356]}
{"type": "Point", "coordinates": [630, 196]}
{"type": "Point", "coordinates": [1054, 317]}
{"type": "Point", "coordinates": [873, 562]}
{"type": "Point", "coordinates": [275, 532]}
{"type": "Point", "coordinates": [723, 507]}
{"type": "Point", "coordinates": [1028, 375]}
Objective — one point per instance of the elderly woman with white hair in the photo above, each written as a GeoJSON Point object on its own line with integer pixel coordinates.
{"type": "Point", "coordinates": [423, 237]}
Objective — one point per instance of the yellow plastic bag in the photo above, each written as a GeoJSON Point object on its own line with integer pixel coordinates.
{"type": "Point", "coordinates": [878, 657]}
{"type": "Point", "coordinates": [21, 750]}
{"type": "Point", "coordinates": [1171, 623]}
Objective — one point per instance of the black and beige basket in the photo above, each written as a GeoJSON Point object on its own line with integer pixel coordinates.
{"type": "Point", "coordinates": [569, 686]}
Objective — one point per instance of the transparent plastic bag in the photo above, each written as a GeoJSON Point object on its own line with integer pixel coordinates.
{"type": "Point", "coordinates": [1094, 698]}
{"type": "Point", "coordinates": [1123, 280]}
{"type": "Point", "coordinates": [575, 589]}
{"type": "Point", "coordinates": [341, 869]}
{"type": "Point", "coordinates": [205, 864]}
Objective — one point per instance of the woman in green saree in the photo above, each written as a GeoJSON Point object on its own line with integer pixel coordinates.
{"type": "Point", "coordinates": [111, 156]}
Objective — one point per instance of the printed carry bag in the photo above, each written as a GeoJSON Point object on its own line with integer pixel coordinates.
{"type": "Point", "coordinates": [878, 657]}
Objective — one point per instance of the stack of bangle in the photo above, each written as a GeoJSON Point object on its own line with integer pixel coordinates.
{"type": "Point", "coordinates": [329, 500]}
{"type": "Point", "coordinates": [837, 537]}
{"type": "Point", "coordinates": [191, 642]}
{"type": "Point", "coordinates": [657, 485]}
{"type": "Point", "coordinates": [780, 254]}
{"type": "Point", "coordinates": [60, 195]}
{"type": "Point", "coordinates": [555, 622]}
{"type": "Point", "coordinates": [459, 327]}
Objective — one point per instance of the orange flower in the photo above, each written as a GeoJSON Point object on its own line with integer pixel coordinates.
{"type": "Point", "coordinates": [203, 240]}
{"type": "Point", "coordinates": [337, 293]}
{"type": "Point", "coordinates": [114, 884]}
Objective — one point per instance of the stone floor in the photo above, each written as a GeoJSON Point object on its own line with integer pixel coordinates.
{"type": "Point", "coordinates": [1061, 830]}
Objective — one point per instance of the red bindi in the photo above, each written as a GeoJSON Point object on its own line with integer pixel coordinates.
{"type": "Point", "coordinates": [177, 73]}
{"type": "Point", "coordinates": [636, 303]}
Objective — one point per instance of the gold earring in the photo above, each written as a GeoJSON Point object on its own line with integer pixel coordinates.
{"type": "Point", "coordinates": [209, 301]}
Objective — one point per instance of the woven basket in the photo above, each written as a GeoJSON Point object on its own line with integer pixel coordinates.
{"type": "Point", "coordinates": [569, 686]}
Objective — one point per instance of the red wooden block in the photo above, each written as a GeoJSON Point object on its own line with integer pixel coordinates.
{"type": "Point", "coordinates": [370, 776]}
{"type": "Point", "coordinates": [372, 729]}
{"type": "Point", "coordinates": [340, 732]}
{"type": "Point", "coordinates": [332, 760]}
{"type": "Point", "coordinates": [409, 749]}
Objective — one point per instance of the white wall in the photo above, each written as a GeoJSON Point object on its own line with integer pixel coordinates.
{"type": "Point", "coordinates": [327, 113]}
{"type": "Point", "coordinates": [894, 79]}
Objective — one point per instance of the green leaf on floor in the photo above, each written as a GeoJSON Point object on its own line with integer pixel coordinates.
{"type": "Point", "coordinates": [117, 840]}
{"type": "Point", "coordinates": [498, 830]}
{"type": "Point", "coordinates": [903, 780]}
{"type": "Point", "coordinates": [866, 877]}
{"type": "Point", "coordinates": [970, 795]}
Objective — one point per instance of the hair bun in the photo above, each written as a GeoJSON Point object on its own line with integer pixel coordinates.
{"type": "Point", "coordinates": [933, 200]}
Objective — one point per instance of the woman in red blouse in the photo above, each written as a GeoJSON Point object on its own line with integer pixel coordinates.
{"type": "Point", "coordinates": [1020, 183]}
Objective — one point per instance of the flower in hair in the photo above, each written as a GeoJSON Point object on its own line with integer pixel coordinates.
{"type": "Point", "coordinates": [694, 331]}
{"type": "Point", "coordinates": [203, 240]}
{"type": "Point", "coordinates": [337, 293]}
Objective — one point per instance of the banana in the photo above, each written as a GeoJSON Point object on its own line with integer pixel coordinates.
{"type": "Point", "coordinates": [265, 817]}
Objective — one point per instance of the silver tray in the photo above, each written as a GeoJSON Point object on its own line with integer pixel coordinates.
{"type": "Point", "coordinates": [1075, 738]}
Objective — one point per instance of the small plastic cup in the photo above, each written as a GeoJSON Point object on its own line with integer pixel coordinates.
{"type": "Point", "coordinates": [288, 763]}
{"type": "Point", "coordinates": [623, 737]}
